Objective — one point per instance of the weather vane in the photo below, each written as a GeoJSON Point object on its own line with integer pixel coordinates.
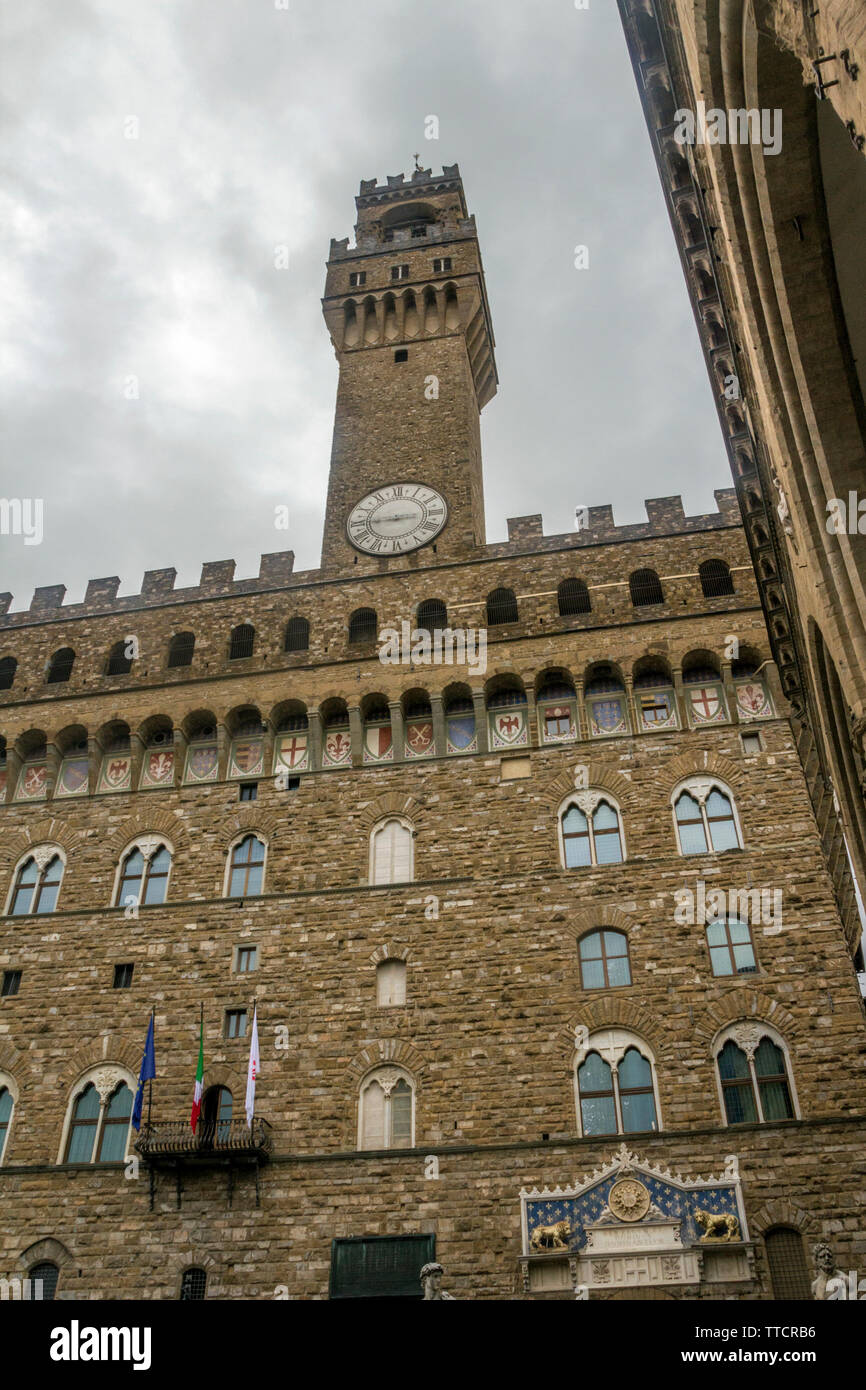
{"type": "Point", "coordinates": [417, 165]}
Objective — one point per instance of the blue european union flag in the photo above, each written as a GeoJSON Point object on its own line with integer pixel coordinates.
{"type": "Point", "coordinates": [148, 1072]}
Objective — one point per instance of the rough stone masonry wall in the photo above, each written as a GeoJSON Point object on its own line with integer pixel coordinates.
{"type": "Point", "coordinates": [494, 992]}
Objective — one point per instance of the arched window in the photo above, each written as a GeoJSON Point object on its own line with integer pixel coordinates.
{"type": "Point", "coordinates": [386, 1110]}
{"type": "Point", "coordinates": [7, 1104]}
{"type": "Point", "coordinates": [604, 962]}
{"type": "Point", "coordinates": [60, 666]}
{"type": "Point", "coordinates": [144, 875]}
{"type": "Point", "coordinates": [732, 951]}
{"type": "Point", "coordinates": [119, 663]}
{"type": "Point", "coordinates": [390, 983]}
{"type": "Point", "coordinates": [8, 667]}
{"type": "Point", "coordinates": [591, 832]}
{"type": "Point", "coordinates": [645, 588]}
{"type": "Point", "coordinates": [37, 885]}
{"type": "Point", "coordinates": [501, 607]}
{"type": "Point", "coordinates": [392, 852]}
{"type": "Point", "coordinates": [193, 1284]}
{"type": "Point", "coordinates": [297, 635]}
{"type": "Point", "coordinates": [753, 1075]}
{"type": "Point", "coordinates": [216, 1124]}
{"type": "Point", "coordinates": [573, 598]}
{"type": "Point", "coordinates": [246, 868]}
{"type": "Point", "coordinates": [363, 625]}
{"type": "Point", "coordinates": [242, 641]}
{"type": "Point", "coordinates": [616, 1084]}
{"type": "Point", "coordinates": [715, 579]}
{"type": "Point", "coordinates": [181, 648]}
{"type": "Point", "coordinates": [99, 1124]}
{"type": "Point", "coordinates": [606, 706]}
{"type": "Point", "coordinates": [43, 1281]}
{"type": "Point", "coordinates": [786, 1258]}
{"type": "Point", "coordinates": [432, 615]}
{"type": "Point", "coordinates": [705, 818]}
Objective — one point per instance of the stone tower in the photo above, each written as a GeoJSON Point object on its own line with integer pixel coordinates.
{"type": "Point", "coordinates": [407, 312]}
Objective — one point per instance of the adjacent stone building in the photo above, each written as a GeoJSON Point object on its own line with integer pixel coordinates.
{"type": "Point", "coordinates": [512, 848]}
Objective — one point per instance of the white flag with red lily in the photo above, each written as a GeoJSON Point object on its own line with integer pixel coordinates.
{"type": "Point", "coordinates": [253, 1069]}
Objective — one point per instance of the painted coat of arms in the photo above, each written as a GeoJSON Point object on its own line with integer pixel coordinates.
{"type": "Point", "coordinates": [290, 753]}
{"type": "Point", "coordinates": [419, 739]}
{"type": "Point", "coordinates": [338, 749]}
{"type": "Point", "coordinates": [752, 701]}
{"type": "Point", "coordinates": [73, 777]}
{"type": "Point", "coordinates": [116, 772]}
{"type": "Point", "coordinates": [202, 764]}
{"type": "Point", "coordinates": [377, 744]}
{"type": "Point", "coordinates": [158, 768]}
{"type": "Point", "coordinates": [461, 734]}
{"type": "Point", "coordinates": [247, 757]}
{"type": "Point", "coordinates": [608, 717]}
{"type": "Point", "coordinates": [706, 704]}
{"type": "Point", "coordinates": [32, 782]}
{"type": "Point", "coordinates": [508, 728]}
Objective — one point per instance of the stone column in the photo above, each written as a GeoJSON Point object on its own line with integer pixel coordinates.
{"type": "Point", "coordinates": [267, 749]}
{"type": "Point", "coordinates": [53, 759]}
{"type": "Point", "coordinates": [137, 751]}
{"type": "Point", "coordinates": [94, 761]}
{"type": "Point", "coordinates": [398, 731]}
{"type": "Point", "coordinates": [440, 740]}
{"type": "Point", "coordinates": [580, 711]}
{"type": "Point", "coordinates": [680, 694]}
{"type": "Point", "coordinates": [356, 735]}
{"type": "Point", "coordinates": [480, 704]}
{"type": "Point", "coordinates": [730, 692]}
{"type": "Point", "coordinates": [223, 742]}
{"type": "Point", "coordinates": [314, 740]}
{"type": "Point", "coordinates": [181, 742]}
{"type": "Point", "coordinates": [533, 740]}
{"type": "Point", "coordinates": [628, 681]}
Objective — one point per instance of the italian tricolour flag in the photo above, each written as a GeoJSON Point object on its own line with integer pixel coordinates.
{"type": "Point", "coordinates": [199, 1078]}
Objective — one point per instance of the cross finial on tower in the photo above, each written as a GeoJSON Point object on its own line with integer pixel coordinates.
{"type": "Point", "coordinates": [416, 157]}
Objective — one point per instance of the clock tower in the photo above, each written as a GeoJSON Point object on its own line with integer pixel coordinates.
{"type": "Point", "coordinates": [407, 311]}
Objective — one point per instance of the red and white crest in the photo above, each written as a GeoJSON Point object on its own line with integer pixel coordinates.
{"type": "Point", "coordinates": [159, 767]}
{"type": "Point", "coordinates": [337, 747]}
{"type": "Point", "coordinates": [706, 703]}
{"type": "Point", "coordinates": [292, 750]}
{"type": "Point", "coordinates": [377, 741]}
{"type": "Point", "coordinates": [751, 698]}
{"type": "Point", "coordinates": [509, 726]}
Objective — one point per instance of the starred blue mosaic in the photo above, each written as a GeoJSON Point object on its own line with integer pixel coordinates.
{"type": "Point", "coordinates": [678, 1203]}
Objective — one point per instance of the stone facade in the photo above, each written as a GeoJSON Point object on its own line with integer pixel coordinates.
{"type": "Point", "coordinates": [491, 1030]}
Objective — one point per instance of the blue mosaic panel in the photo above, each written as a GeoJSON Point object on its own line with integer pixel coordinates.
{"type": "Point", "coordinates": [675, 1202]}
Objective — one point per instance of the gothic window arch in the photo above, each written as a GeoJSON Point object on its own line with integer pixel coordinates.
{"type": "Point", "coordinates": [245, 866]}
{"type": "Point", "coordinates": [604, 959]}
{"type": "Point", "coordinates": [753, 1074]}
{"type": "Point", "coordinates": [96, 1129]}
{"type": "Point", "coordinates": [392, 851]}
{"type": "Point", "coordinates": [590, 830]}
{"type": "Point", "coordinates": [36, 882]}
{"type": "Point", "coordinates": [386, 1109]}
{"type": "Point", "coordinates": [143, 872]}
{"type": "Point", "coordinates": [616, 1088]}
{"type": "Point", "coordinates": [705, 817]}
{"type": "Point", "coordinates": [60, 666]}
{"type": "Point", "coordinates": [8, 1100]}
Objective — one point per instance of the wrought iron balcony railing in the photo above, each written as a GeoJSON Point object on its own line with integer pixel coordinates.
{"type": "Point", "coordinates": [174, 1139]}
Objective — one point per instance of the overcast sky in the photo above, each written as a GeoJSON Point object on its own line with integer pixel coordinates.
{"type": "Point", "coordinates": [152, 258]}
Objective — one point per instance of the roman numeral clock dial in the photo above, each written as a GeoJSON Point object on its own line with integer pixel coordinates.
{"type": "Point", "coordinates": [396, 519]}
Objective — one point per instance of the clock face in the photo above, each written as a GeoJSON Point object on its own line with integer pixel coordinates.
{"type": "Point", "coordinates": [397, 518]}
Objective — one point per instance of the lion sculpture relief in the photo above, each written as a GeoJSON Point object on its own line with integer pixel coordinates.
{"type": "Point", "coordinates": [550, 1237]}
{"type": "Point", "coordinates": [721, 1227]}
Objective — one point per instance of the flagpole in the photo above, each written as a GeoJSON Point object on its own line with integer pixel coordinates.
{"type": "Point", "coordinates": [150, 1081]}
